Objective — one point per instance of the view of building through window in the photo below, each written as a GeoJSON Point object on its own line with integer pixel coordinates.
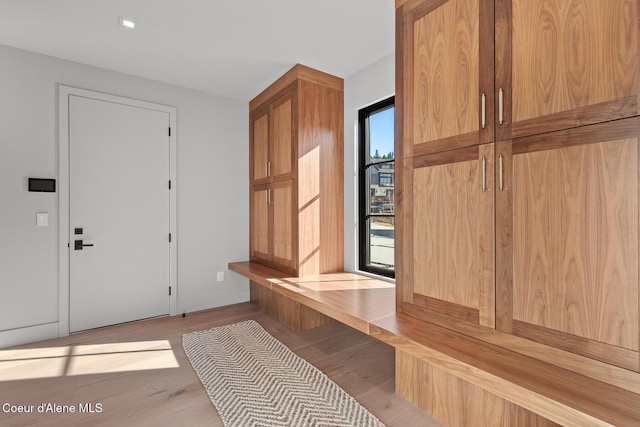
{"type": "Point", "coordinates": [377, 188]}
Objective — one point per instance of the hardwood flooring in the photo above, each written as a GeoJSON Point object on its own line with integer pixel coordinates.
{"type": "Point", "coordinates": [137, 374]}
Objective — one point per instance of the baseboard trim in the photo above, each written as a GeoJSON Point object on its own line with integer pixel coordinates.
{"type": "Point", "coordinates": [214, 301]}
{"type": "Point", "coordinates": [29, 334]}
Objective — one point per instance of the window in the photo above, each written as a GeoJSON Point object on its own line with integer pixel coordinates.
{"type": "Point", "coordinates": [377, 185]}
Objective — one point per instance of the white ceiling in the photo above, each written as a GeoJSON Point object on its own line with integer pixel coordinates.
{"type": "Point", "coordinates": [233, 48]}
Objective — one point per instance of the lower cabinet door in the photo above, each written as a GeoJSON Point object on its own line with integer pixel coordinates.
{"type": "Point", "coordinates": [283, 223]}
{"type": "Point", "coordinates": [448, 235]}
{"type": "Point", "coordinates": [567, 239]}
{"type": "Point", "coordinates": [259, 223]}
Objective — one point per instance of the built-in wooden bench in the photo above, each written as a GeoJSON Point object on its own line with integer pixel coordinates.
{"type": "Point", "coordinates": [352, 299]}
{"type": "Point", "coordinates": [501, 376]}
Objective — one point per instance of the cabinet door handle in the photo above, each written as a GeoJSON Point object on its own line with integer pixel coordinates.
{"type": "Point", "coordinates": [268, 196]}
{"type": "Point", "coordinates": [501, 173]}
{"type": "Point", "coordinates": [268, 168]}
{"type": "Point", "coordinates": [484, 174]}
{"type": "Point", "coordinates": [484, 110]}
{"type": "Point", "coordinates": [501, 106]}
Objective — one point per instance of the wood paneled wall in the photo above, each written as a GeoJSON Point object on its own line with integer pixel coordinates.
{"type": "Point", "coordinates": [456, 402]}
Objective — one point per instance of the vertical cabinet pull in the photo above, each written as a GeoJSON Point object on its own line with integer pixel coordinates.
{"type": "Point", "coordinates": [501, 173]}
{"type": "Point", "coordinates": [484, 110]}
{"type": "Point", "coordinates": [268, 196]}
{"type": "Point", "coordinates": [268, 168]}
{"type": "Point", "coordinates": [484, 174]}
{"type": "Point", "coordinates": [501, 106]}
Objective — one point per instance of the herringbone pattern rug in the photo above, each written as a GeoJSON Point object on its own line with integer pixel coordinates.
{"type": "Point", "coordinates": [255, 380]}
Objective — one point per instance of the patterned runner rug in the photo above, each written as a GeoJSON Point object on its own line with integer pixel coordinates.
{"type": "Point", "coordinates": [255, 380]}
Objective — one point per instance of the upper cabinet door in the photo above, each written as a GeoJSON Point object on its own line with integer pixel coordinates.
{"type": "Point", "coordinates": [445, 87]}
{"type": "Point", "coordinates": [259, 147]}
{"type": "Point", "coordinates": [563, 64]}
{"type": "Point", "coordinates": [272, 136]}
{"type": "Point", "coordinates": [282, 137]}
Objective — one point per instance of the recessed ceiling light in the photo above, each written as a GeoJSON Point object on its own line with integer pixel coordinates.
{"type": "Point", "coordinates": [127, 23]}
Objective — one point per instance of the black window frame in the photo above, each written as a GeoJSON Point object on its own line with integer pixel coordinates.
{"type": "Point", "coordinates": [364, 191]}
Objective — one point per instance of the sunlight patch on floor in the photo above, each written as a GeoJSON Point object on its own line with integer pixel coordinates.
{"type": "Point", "coordinates": [32, 363]}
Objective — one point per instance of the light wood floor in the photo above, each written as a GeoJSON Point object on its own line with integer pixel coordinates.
{"type": "Point", "coordinates": [173, 396]}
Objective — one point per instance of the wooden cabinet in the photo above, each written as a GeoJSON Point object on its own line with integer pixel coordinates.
{"type": "Point", "coordinates": [272, 132]}
{"type": "Point", "coordinates": [272, 223]}
{"type": "Point", "coordinates": [296, 173]}
{"type": "Point", "coordinates": [444, 75]}
{"type": "Point", "coordinates": [447, 238]}
{"type": "Point", "coordinates": [547, 93]}
{"type": "Point", "coordinates": [564, 64]}
{"type": "Point", "coordinates": [259, 222]}
{"type": "Point", "coordinates": [474, 71]}
{"type": "Point", "coordinates": [569, 240]}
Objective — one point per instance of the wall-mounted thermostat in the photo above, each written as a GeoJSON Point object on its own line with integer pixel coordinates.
{"type": "Point", "coordinates": [42, 185]}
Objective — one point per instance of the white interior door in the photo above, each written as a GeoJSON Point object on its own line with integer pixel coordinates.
{"type": "Point", "coordinates": [119, 198]}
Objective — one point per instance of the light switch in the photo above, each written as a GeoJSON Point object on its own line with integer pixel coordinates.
{"type": "Point", "coordinates": [42, 219]}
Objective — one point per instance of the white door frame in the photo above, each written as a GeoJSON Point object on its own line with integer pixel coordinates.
{"type": "Point", "coordinates": [63, 194]}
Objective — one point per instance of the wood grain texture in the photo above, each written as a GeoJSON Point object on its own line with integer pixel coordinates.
{"type": "Point", "coordinates": [587, 366]}
{"type": "Point", "coordinates": [259, 222]}
{"type": "Point", "coordinates": [402, 225]}
{"type": "Point", "coordinates": [609, 131]}
{"type": "Point", "coordinates": [487, 64]}
{"type": "Point", "coordinates": [444, 62]}
{"type": "Point", "coordinates": [486, 238]}
{"type": "Point", "coordinates": [454, 401]}
{"type": "Point", "coordinates": [405, 243]}
{"type": "Point", "coordinates": [560, 395]}
{"type": "Point", "coordinates": [446, 226]}
{"type": "Point", "coordinates": [281, 157]}
{"type": "Point", "coordinates": [307, 148]}
{"type": "Point", "coordinates": [504, 244]}
{"type": "Point", "coordinates": [445, 144]}
{"type": "Point", "coordinates": [257, 272]}
{"type": "Point", "coordinates": [446, 71]}
{"type": "Point", "coordinates": [295, 315]}
{"type": "Point", "coordinates": [583, 52]}
{"type": "Point", "coordinates": [447, 308]}
{"type": "Point", "coordinates": [404, 77]}
{"type": "Point", "coordinates": [321, 183]}
{"type": "Point", "coordinates": [503, 68]}
{"type": "Point", "coordinates": [449, 238]}
{"type": "Point", "coordinates": [498, 362]}
{"type": "Point", "coordinates": [352, 299]}
{"type": "Point", "coordinates": [576, 227]}
{"type": "Point", "coordinates": [259, 147]}
{"type": "Point", "coordinates": [614, 355]}
{"type": "Point", "coordinates": [261, 296]}
{"type": "Point", "coordinates": [284, 222]}
{"type": "Point", "coordinates": [581, 116]}
{"type": "Point", "coordinates": [297, 72]}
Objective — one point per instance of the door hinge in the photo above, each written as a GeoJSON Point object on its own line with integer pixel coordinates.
{"type": "Point", "coordinates": [169, 237]}
{"type": "Point", "coordinates": [169, 184]}
{"type": "Point", "coordinates": [169, 130]}
{"type": "Point", "coordinates": [169, 290]}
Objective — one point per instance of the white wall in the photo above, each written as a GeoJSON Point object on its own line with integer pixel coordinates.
{"type": "Point", "coordinates": [212, 170]}
{"type": "Point", "coordinates": [369, 85]}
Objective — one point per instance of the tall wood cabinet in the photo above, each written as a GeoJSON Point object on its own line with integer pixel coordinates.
{"type": "Point", "coordinates": [296, 173]}
{"type": "Point", "coordinates": [517, 127]}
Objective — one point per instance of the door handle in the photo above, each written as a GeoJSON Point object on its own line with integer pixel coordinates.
{"type": "Point", "coordinates": [501, 106]}
{"type": "Point", "coordinates": [78, 245]}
